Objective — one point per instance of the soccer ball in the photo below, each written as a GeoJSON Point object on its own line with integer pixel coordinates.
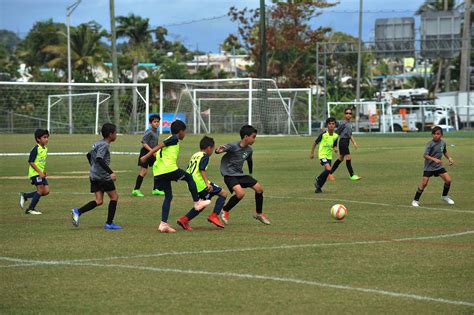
{"type": "Point", "coordinates": [338, 212]}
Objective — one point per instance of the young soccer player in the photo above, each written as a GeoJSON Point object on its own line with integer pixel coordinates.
{"type": "Point", "coordinates": [166, 170]}
{"type": "Point", "coordinates": [150, 140]}
{"type": "Point", "coordinates": [327, 142]}
{"type": "Point", "coordinates": [197, 168]}
{"type": "Point", "coordinates": [232, 169]}
{"type": "Point", "coordinates": [345, 136]}
{"type": "Point", "coordinates": [102, 178]}
{"type": "Point", "coordinates": [37, 172]}
{"type": "Point", "coordinates": [434, 151]}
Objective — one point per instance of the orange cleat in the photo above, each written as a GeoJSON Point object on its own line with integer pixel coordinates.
{"type": "Point", "coordinates": [214, 219]}
{"type": "Point", "coordinates": [184, 222]}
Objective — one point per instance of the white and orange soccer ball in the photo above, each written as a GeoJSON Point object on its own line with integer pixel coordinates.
{"type": "Point", "coordinates": [338, 212]}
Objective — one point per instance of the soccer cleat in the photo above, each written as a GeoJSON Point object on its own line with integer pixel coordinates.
{"type": "Point", "coordinates": [184, 223]}
{"type": "Point", "coordinates": [22, 200]}
{"type": "Point", "coordinates": [157, 192]}
{"type": "Point", "coordinates": [448, 200]}
{"type": "Point", "coordinates": [166, 228]}
{"type": "Point", "coordinates": [201, 204]}
{"type": "Point", "coordinates": [225, 216]}
{"type": "Point", "coordinates": [214, 219]}
{"type": "Point", "coordinates": [415, 203]}
{"type": "Point", "coordinates": [112, 226]}
{"type": "Point", "coordinates": [75, 217]}
{"type": "Point", "coordinates": [331, 177]}
{"type": "Point", "coordinates": [137, 193]}
{"type": "Point", "coordinates": [262, 218]}
{"type": "Point", "coordinates": [355, 177]}
{"type": "Point", "coordinates": [318, 190]}
{"type": "Point", "coordinates": [32, 211]}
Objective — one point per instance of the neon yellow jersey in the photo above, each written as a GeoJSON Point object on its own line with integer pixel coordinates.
{"type": "Point", "coordinates": [167, 157]}
{"type": "Point", "coordinates": [38, 156]}
{"type": "Point", "coordinates": [326, 144]}
{"type": "Point", "coordinates": [195, 166]}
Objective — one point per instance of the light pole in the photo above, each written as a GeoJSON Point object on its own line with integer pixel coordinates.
{"type": "Point", "coordinates": [69, 11]}
{"type": "Point", "coordinates": [359, 61]}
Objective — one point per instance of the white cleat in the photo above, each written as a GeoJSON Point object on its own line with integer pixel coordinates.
{"type": "Point", "coordinates": [22, 200]}
{"type": "Point", "coordinates": [166, 228]}
{"type": "Point", "coordinates": [32, 211]}
{"type": "Point", "coordinates": [448, 200]}
{"type": "Point", "coordinates": [415, 203]}
{"type": "Point", "coordinates": [201, 204]}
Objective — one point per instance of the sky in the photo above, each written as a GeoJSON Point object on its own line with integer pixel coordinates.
{"type": "Point", "coordinates": [20, 15]}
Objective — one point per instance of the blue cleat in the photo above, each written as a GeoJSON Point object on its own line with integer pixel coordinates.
{"type": "Point", "coordinates": [112, 226]}
{"type": "Point", "coordinates": [75, 217]}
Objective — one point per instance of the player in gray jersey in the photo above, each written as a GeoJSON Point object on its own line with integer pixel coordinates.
{"type": "Point", "coordinates": [234, 177]}
{"type": "Point", "coordinates": [434, 151]}
{"type": "Point", "coordinates": [102, 178]}
{"type": "Point", "coordinates": [149, 141]}
{"type": "Point", "coordinates": [344, 130]}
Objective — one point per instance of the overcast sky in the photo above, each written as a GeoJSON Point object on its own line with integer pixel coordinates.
{"type": "Point", "coordinates": [20, 15]}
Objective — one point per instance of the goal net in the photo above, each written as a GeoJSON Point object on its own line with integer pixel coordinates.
{"type": "Point", "coordinates": [223, 106]}
{"type": "Point", "coordinates": [82, 108]}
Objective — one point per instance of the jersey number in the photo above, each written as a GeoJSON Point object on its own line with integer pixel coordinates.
{"type": "Point", "coordinates": [192, 166]}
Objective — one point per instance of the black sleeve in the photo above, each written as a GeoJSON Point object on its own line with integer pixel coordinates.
{"type": "Point", "coordinates": [89, 158]}
{"type": "Point", "coordinates": [104, 165]}
{"type": "Point", "coordinates": [335, 143]}
{"type": "Point", "coordinates": [319, 138]}
{"type": "Point", "coordinates": [171, 141]}
{"type": "Point", "coordinates": [204, 162]}
{"type": "Point", "coordinates": [250, 163]}
{"type": "Point", "coordinates": [33, 154]}
{"type": "Point", "coordinates": [445, 149]}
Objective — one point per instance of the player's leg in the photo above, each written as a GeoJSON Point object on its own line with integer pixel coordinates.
{"type": "Point", "coordinates": [447, 185]}
{"type": "Point", "coordinates": [352, 176]}
{"type": "Point", "coordinates": [138, 183]}
{"type": "Point", "coordinates": [199, 204]}
{"type": "Point", "coordinates": [259, 215]}
{"type": "Point", "coordinates": [221, 197]}
{"type": "Point", "coordinates": [239, 193]}
{"type": "Point", "coordinates": [109, 224]}
{"type": "Point", "coordinates": [321, 179]}
{"type": "Point", "coordinates": [165, 183]}
{"type": "Point", "coordinates": [183, 221]}
{"type": "Point", "coordinates": [419, 191]}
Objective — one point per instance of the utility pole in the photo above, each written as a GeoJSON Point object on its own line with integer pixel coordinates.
{"type": "Point", "coordinates": [359, 61]}
{"type": "Point", "coordinates": [263, 41]}
{"type": "Point", "coordinates": [69, 11]}
{"type": "Point", "coordinates": [464, 78]}
{"type": "Point", "coordinates": [114, 63]}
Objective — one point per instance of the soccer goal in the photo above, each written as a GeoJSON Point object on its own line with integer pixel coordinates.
{"type": "Point", "coordinates": [74, 108]}
{"type": "Point", "coordinates": [224, 105]}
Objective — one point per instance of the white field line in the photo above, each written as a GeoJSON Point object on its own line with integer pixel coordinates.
{"type": "Point", "coordinates": [67, 153]}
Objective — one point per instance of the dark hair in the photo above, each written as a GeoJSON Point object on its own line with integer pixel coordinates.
{"type": "Point", "coordinates": [330, 119]}
{"type": "Point", "coordinates": [40, 132]}
{"type": "Point", "coordinates": [108, 129]}
{"type": "Point", "coordinates": [347, 108]}
{"type": "Point", "coordinates": [153, 117]}
{"type": "Point", "coordinates": [206, 142]}
{"type": "Point", "coordinates": [247, 130]}
{"type": "Point", "coordinates": [436, 128]}
{"type": "Point", "coordinates": [177, 126]}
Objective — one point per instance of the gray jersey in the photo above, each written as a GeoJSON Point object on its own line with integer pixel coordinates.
{"type": "Point", "coordinates": [100, 149]}
{"type": "Point", "coordinates": [150, 137]}
{"type": "Point", "coordinates": [233, 161]}
{"type": "Point", "coordinates": [436, 150]}
{"type": "Point", "coordinates": [345, 129]}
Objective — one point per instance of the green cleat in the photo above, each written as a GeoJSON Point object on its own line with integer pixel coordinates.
{"type": "Point", "coordinates": [157, 192]}
{"type": "Point", "coordinates": [355, 177]}
{"type": "Point", "coordinates": [137, 193]}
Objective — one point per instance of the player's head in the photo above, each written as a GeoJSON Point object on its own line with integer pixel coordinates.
{"type": "Point", "coordinates": [178, 128]}
{"type": "Point", "coordinates": [109, 131]}
{"type": "Point", "coordinates": [348, 113]}
{"type": "Point", "coordinates": [42, 136]}
{"type": "Point", "coordinates": [437, 133]}
{"type": "Point", "coordinates": [154, 120]}
{"type": "Point", "coordinates": [331, 123]}
{"type": "Point", "coordinates": [248, 133]}
{"type": "Point", "coordinates": [207, 145]}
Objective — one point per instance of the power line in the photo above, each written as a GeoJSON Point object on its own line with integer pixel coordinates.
{"type": "Point", "coordinates": [196, 21]}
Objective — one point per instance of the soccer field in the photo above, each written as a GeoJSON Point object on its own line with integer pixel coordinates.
{"type": "Point", "coordinates": [385, 257]}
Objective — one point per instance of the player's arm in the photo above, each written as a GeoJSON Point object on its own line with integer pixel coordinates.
{"type": "Point", "coordinates": [152, 151]}
{"type": "Point", "coordinates": [145, 140]}
{"type": "Point", "coordinates": [315, 143]}
{"type": "Point", "coordinates": [428, 157]}
{"type": "Point", "coordinates": [250, 164]}
{"type": "Point", "coordinates": [36, 168]}
{"type": "Point", "coordinates": [31, 161]}
{"type": "Point", "coordinates": [221, 149]}
{"type": "Point", "coordinates": [354, 142]}
{"type": "Point", "coordinates": [206, 180]}
{"type": "Point", "coordinates": [334, 146]}
{"type": "Point", "coordinates": [446, 154]}
{"type": "Point", "coordinates": [202, 170]}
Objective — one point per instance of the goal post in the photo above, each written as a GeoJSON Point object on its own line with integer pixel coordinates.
{"type": "Point", "coordinates": [235, 102]}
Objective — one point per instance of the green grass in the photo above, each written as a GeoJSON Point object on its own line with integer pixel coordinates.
{"type": "Point", "coordinates": [268, 277]}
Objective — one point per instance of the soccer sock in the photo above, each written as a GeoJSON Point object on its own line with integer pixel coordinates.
{"type": "Point", "coordinates": [29, 195]}
{"type": "Point", "coordinates": [219, 204]}
{"type": "Point", "coordinates": [259, 202]}
{"type": "Point", "coordinates": [323, 177]}
{"type": "Point", "coordinates": [111, 213]}
{"type": "Point", "coordinates": [139, 182]}
{"type": "Point", "coordinates": [446, 189]}
{"type": "Point", "coordinates": [165, 209]}
{"type": "Point", "coordinates": [192, 214]}
{"type": "Point", "coordinates": [34, 201]}
{"type": "Point", "coordinates": [335, 166]}
{"type": "Point", "coordinates": [87, 207]}
{"type": "Point", "coordinates": [231, 203]}
{"type": "Point", "coordinates": [349, 167]}
{"type": "Point", "coordinates": [418, 194]}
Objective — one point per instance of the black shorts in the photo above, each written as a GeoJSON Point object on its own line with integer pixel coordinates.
{"type": "Point", "coordinates": [344, 146]}
{"type": "Point", "coordinates": [179, 174]}
{"type": "Point", "coordinates": [37, 181]}
{"type": "Point", "coordinates": [434, 173]}
{"type": "Point", "coordinates": [207, 195]}
{"type": "Point", "coordinates": [244, 181]}
{"type": "Point", "coordinates": [149, 162]}
{"type": "Point", "coordinates": [325, 161]}
{"type": "Point", "coordinates": [102, 185]}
